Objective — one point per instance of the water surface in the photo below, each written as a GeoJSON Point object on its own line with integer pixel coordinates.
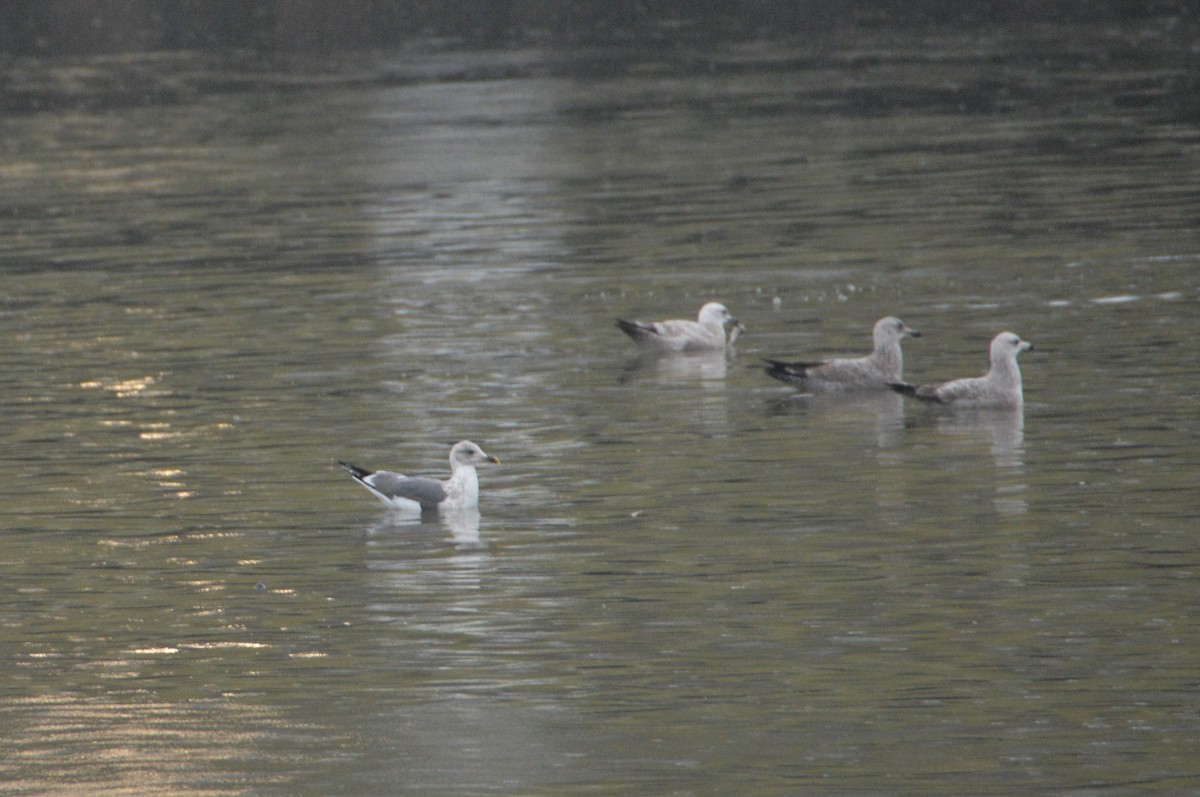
{"type": "Point", "coordinates": [684, 578]}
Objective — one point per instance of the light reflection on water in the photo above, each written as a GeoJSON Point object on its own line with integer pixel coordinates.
{"type": "Point", "coordinates": [684, 577]}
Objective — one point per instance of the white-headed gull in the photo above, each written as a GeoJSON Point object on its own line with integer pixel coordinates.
{"type": "Point", "coordinates": [706, 333]}
{"type": "Point", "coordinates": [412, 493]}
{"type": "Point", "coordinates": [876, 371]}
{"type": "Point", "coordinates": [999, 387]}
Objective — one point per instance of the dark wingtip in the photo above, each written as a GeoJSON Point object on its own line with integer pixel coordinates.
{"type": "Point", "coordinates": [354, 470]}
{"type": "Point", "coordinates": [786, 372]}
{"type": "Point", "coordinates": [774, 368]}
{"type": "Point", "coordinates": [914, 391]}
{"type": "Point", "coordinates": [638, 330]}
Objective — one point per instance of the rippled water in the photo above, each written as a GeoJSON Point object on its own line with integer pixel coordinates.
{"type": "Point", "coordinates": [684, 578]}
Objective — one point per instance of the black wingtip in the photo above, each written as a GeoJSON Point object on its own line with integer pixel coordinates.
{"type": "Point", "coordinates": [774, 368]}
{"type": "Point", "coordinates": [786, 372]}
{"type": "Point", "coordinates": [354, 470]}
{"type": "Point", "coordinates": [914, 391]}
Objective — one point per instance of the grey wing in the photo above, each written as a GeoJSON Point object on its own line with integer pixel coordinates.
{"type": "Point", "coordinates": [834, 370]}
{"type": "Point", "coordinates": [689, 336]}
{"type": "Point", "coordinates": [685, 331]}
{"type": "Point", "coordinates": [837, 372]}
{"type": "Point", "coordinates": [427, 492]}
{"type": "Point", "coordinates": [965, 390]}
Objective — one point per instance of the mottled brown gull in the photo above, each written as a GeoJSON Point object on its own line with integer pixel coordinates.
{"type": "Point", "coordinates": [876, 371]}
{"type": "Point", "coordinates": [413, 493]}
{"type": "Point", "coordinates": [706, 333]}
{"type": "Point", "coordinates": [1000, 387]}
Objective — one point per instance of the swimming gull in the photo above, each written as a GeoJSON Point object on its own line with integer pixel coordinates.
{"type": "Point", "coordinates": [706, 333]}
{"type": "Point", "coordinates": [875, 371]}
{"type": "Point", "coordinates": [1000, 387]}
{"type": "Point", "coordinates": [460, 491]}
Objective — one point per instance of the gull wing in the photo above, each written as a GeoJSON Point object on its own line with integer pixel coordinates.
{"type": "Point", "coordinates": [395, 488]}
{"type": "Point", "coordinates": [794, 372]}
{"type": "Point", "coordinates": [426, 492]}
{"type": "Point", "coordinates": [638, 330]}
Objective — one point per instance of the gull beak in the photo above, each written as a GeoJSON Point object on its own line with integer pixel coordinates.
{"type": "Point", "coordinates": [913, 333]}
{"type": "Point", "coordinates": [491, 459]}
{"type": "Point", "coordinates": [736, 331]}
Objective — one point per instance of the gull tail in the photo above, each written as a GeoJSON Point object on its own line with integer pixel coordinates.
{"type": "Point", "coordinates": [787, 372]}
{"type": "Point", "coordinates": [634, 329]}
{"type": "Point", "coordinates": [913, 391]}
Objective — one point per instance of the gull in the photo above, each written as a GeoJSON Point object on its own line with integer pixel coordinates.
{"type": "Point", "coordinates": [875, 371]}
{"type": "Point", "coordinates": [999, 387]}
{"type": "Point", "coordinates": [706, 333]}
{"type": "Point", "coordinates": [460, 491]}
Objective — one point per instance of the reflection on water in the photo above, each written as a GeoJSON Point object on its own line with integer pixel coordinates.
{"type": "Point", "coordinates": [1004, 428]}
{"type": "Point", "coordinates": [109, 745]}
{"type": "Point", "coordinates": [461, 524]}
{"type": "Point", "coordinates": [684, 573]}
{"type": "Point", "coordinates": [882, 410]}
{"type": "Point", "coordinates": [1004, 431]}
{"type": "Point", "coordinates": [705, 369]}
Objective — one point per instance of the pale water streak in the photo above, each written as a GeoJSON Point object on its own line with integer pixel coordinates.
{"type": "Point", "coordinates": [684, 577]}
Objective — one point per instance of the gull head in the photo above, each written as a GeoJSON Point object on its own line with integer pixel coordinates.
{"type": "Point", "coordinates": [716, 313]}
{"type": "Point", "coordinates": [1006, 346]}
{"type": "Point", "coordinates": [891, 329]}
{"type": "Point", "coordinates": [467, 453]}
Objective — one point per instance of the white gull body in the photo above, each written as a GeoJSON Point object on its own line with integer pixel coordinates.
{"type": "Point", "coordinates": [1000, 387]}
{"type": "Point", "coordinates": [417, 493]}
{"type": "Point", "coordinates": [706, 333]}
{"type": "Point", "coordinates": [876, 371]}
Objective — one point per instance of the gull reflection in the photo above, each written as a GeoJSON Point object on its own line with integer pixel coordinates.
{"type": "Point", "coordinates": [409, 558]}
{"type": "Point", "coordinates": [462, 524]}
{"type": "Point", "coordinates": [674, 367]}
{"type": "Point", "coordinates": [1004, 431]}
{"type": "Point", "coordinates": [464, 528]}
{"type": "Point", "coordinates": [886, 408]}
{"type": "Point", "coordinates": [702, 373]}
